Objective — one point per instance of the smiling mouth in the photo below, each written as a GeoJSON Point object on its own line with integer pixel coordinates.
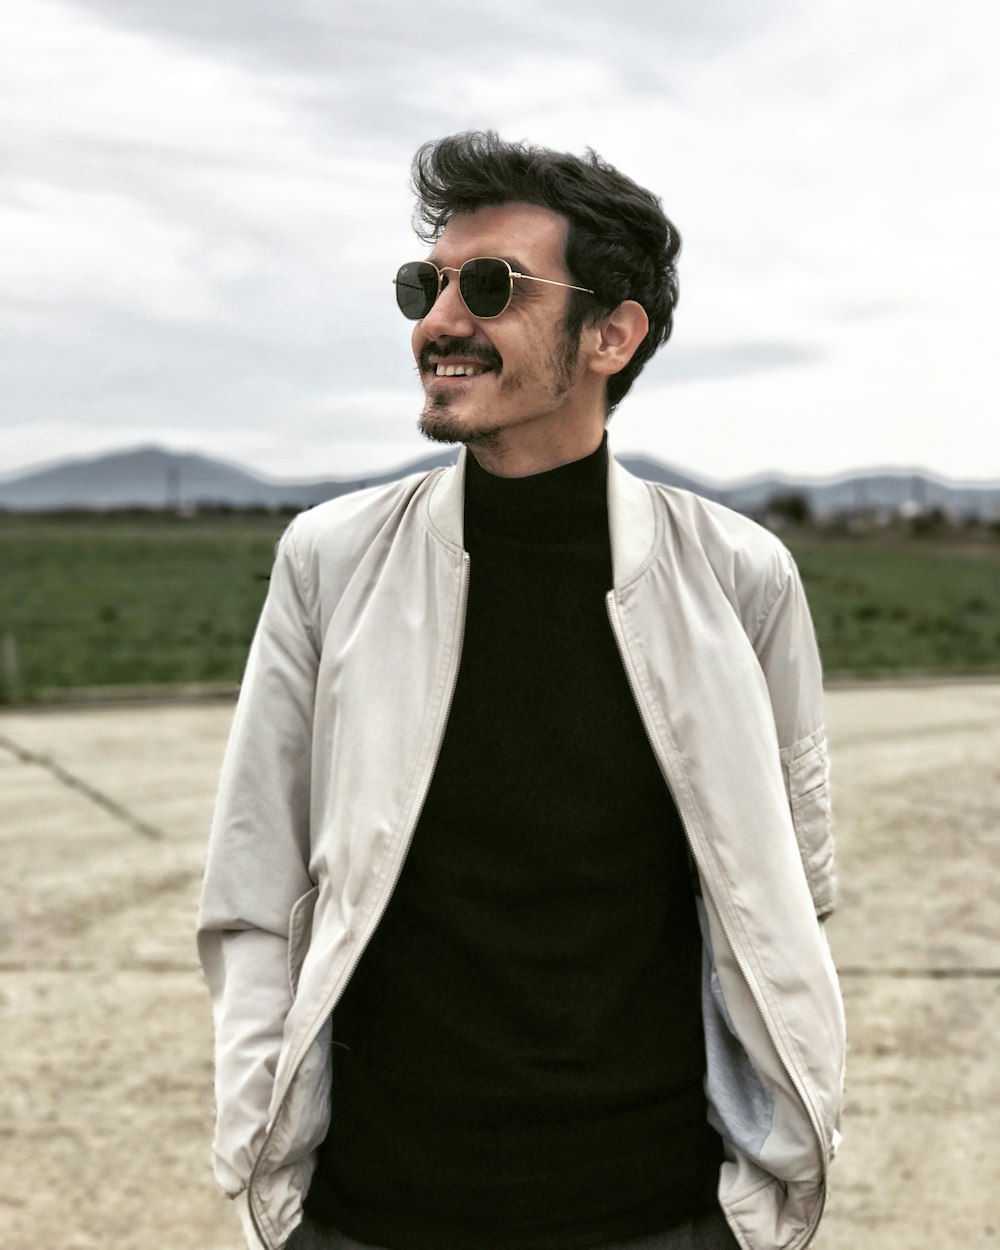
{"type": "Point", "coordinates": [458, 358]}
{"type": "Point", "coordinates": [442, 370]}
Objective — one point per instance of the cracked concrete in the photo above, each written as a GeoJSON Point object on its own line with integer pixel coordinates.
{"type": "Point", "coordinates": [105, 1084]}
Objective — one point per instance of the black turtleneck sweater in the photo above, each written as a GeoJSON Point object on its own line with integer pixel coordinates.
{"type": "Point", "coordinates": [518, 1059]}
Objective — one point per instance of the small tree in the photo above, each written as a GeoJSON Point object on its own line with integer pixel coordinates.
{"type": "Point", "coordinates": [791, 507]}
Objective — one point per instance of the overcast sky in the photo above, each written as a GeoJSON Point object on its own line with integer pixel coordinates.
{"type": "Point", "coordinates": [202, 206]}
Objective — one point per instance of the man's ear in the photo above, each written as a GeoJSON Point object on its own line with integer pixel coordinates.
{"type": "Point", "coordinates": [617, 337]}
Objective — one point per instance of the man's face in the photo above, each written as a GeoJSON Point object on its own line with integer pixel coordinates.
{"type": "Point", "coordinates": [527, 379]}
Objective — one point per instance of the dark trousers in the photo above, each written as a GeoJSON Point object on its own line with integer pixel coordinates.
{"type": "Point", "coordinates": [711, 1232]}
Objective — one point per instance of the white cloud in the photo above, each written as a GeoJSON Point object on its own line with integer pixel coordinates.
{"type": "Point", "coordinates": [76, 244]}
{"type": "Point", "coordinates": [71, 75]}
{"type": "Point", "coordinates": [202, 207]}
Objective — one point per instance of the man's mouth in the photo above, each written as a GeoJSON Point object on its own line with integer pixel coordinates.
{"type": "Point", "coordinates": [442, 370]}
{"type": "Point", "coordinates": [459, 358]}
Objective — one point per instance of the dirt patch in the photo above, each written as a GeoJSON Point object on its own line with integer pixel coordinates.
{"type": "Point", "coordinates": [106, 1089]}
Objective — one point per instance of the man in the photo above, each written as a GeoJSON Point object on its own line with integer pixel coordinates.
{"type": "Point", "coordinates": [511, 911]}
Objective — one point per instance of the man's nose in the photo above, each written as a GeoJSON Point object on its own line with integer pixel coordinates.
{"type": "Point", "coordinates": [449, 318]}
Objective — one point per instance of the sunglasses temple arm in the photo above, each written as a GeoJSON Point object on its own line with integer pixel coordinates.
{"type": "Point", "coordinates": [551, 282]}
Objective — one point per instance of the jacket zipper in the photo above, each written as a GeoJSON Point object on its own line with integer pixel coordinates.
{"type": "Point", "coordinates": [363, 944]}
{"type": "Point", "coordinates": [700, 865]}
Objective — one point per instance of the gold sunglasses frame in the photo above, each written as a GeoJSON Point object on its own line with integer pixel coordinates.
{"type": "Point", "coordinates": [441, 270]}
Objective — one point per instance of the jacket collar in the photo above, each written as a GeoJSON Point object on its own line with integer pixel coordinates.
{"type": "Point", "coordinates": [631, 516]}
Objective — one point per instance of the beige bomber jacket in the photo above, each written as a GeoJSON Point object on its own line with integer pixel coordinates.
{"type": "Point", "coordinates": [340, 717]}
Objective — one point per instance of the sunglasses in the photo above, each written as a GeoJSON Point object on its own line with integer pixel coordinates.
{"type": "Point", "coordinates": [486, 284]}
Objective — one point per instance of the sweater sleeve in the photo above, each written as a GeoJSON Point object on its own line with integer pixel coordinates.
{"type": "Point", "coordinates": [257, 866]}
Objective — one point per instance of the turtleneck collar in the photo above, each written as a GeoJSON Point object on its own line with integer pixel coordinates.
{"type": "Point", "coordinates": [567, 504]}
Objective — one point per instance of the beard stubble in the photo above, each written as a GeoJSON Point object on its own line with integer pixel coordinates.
{"type": "Point", "coordinates": [434, 423]}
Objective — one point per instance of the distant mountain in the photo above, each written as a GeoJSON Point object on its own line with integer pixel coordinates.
{"type": "Point", "coordinates": [871, 491]}
{"type": "Point", "coordinates": [151, 477]}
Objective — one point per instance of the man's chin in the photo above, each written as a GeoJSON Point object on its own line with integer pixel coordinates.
{"type": "Point", "coordinates": [439, 425]}
{"type": "Point", "coordinates": [441, 429]}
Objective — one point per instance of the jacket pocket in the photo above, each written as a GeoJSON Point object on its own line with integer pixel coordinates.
{"type": "Point", "coordinates": [300, 934]}
{"type": "Point", "coordinates": [805, 767]}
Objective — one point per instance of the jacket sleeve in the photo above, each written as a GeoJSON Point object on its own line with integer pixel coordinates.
{"type": "Point", "coordinates": [257, 867]}
{"type": "Point", "coordinates": [786, 647]}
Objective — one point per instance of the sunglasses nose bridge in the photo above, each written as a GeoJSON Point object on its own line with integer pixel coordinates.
{"type": "Point", "coordinates": [449, 315]}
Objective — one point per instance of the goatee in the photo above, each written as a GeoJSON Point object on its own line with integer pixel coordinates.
{"type": "Point", "coordinates": [436, 425]}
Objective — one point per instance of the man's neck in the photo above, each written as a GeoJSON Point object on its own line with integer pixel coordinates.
{"type": "Point", "coordinates": [508, 457]}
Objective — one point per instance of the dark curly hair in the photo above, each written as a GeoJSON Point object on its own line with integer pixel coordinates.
{"type": "Point", "coordinates": [620, 243]}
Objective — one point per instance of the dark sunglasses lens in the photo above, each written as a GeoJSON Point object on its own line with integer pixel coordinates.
{"type": "Point", "coordinates": [485, 286]}
{"type": "Point", "coordinates": [416, 289]}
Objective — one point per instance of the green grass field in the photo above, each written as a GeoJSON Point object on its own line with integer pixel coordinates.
{"type": "Point", "coordinates": [105, 601]}
{"type": "Point", "coordinates": [894, 605]}
{"type": "Point", "coordinates": [100, 601]}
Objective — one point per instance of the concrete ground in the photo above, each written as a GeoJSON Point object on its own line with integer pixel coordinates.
{"type": "Point", "coordinates": [105, 1087]}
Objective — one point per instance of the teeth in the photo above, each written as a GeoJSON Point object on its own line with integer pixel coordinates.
{"type": "Point", "coordinates": [458, 371]}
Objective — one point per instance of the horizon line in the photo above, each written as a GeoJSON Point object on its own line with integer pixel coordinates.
{"type": "Point", "coordinates": [757, 477]}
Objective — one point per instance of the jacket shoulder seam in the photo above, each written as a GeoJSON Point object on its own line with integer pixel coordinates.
{"type": "Point", "coordinates": [303, 584]}
{"type": "Point", "coordinates": [771, 605]}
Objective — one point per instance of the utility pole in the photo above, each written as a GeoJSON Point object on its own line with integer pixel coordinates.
{"type": "Point", "coordinates": [173, 487]}
{"type": "Point", "coordinates": [11, 674]}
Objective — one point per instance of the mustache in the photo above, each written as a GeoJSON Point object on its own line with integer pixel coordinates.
{"type": "Point", "coordinates": [466, 349]}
